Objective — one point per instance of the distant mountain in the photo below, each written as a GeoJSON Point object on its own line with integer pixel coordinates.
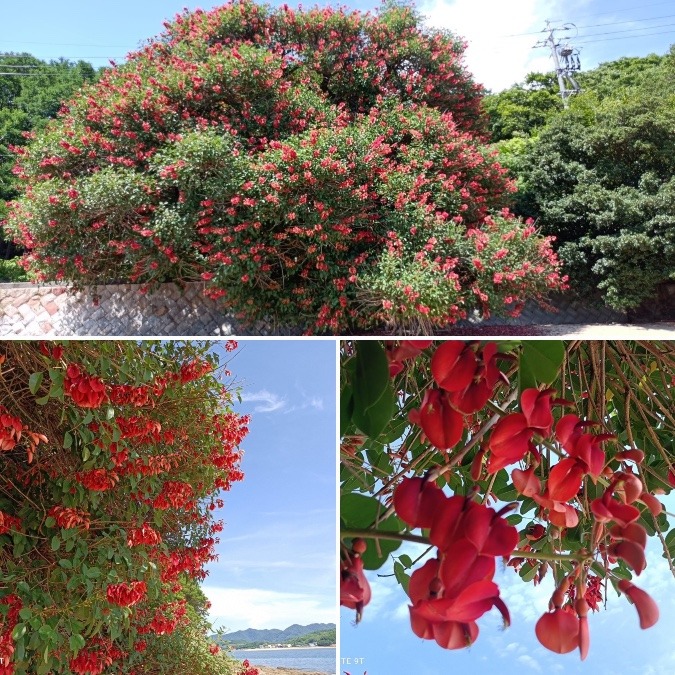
{"type": "Point", "coordinates": [273, 635]}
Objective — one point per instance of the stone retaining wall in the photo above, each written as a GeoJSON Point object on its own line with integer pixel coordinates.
{"type": "Point", "coordinates": [56, 310]}
{"type": "Point", "coordinates": [30, 310]}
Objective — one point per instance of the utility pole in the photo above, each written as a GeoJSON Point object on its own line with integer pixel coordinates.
{"type": "Point", "coordinates": [566, 60]}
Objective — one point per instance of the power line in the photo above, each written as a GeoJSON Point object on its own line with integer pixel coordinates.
{"type": "Point", "coordinates": [597, 25]}
{"type": "Point", "coordinates": [625, 30]}
{"type": "Point", "coordinates": [626, 37]}
{"type": "Point", "coordinates": [616, 23]}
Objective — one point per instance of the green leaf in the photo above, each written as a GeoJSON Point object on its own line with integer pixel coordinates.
{"type": "Point", "coordinates": [401, 576]}
{"type": "Point", "coordinates": [56, 542]}
{"type": "Point", "coordinates": [34, 382]}
{"type": "Point", "coordinates": [25, 613]}
{"type": "Point", "coordinates": [42, 401]}
{"type": "Point", "coordinates": [76, 642]}
{"type": "Point", "coordinates": [66, 564]}
{"type": "Point", "coordinates": [346, 408]}
{"type": "Point", "coordinates": [67, 440]}
{"type": "Point", "coordinates": [358, 511]}
{"type": "Point", "coordinates": [19, 631]}
{"type": "Point", "coordinates": [540, 362]}
{"type": "Point", "coordinates": [405, 560]}
{"type": "Point", "coordinates": [373, 394]}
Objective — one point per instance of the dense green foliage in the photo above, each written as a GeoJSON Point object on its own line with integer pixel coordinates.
{"type": "Point", "coordinates": [112, 456]}
{"type": "Point", "coordinates": [28, 99]}
{"type": "Point", "coordinates": [600, 175]}
{"type": "Point", "coordinates": [322, 168]}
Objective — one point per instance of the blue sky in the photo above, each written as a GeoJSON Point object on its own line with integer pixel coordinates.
{"type": "Point", "coordinates": [98, 31]}
{"type": "Point", "coordinates": [277, 550]}
{"type": "Point", "coordinates": [618, 645]}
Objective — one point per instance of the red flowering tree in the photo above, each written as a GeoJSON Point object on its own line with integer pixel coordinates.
{"type": "Point", "coordinates": [543, 454]}
{"type": "Point", "coordinates": [318, 167]}
{"type": "Point", "coordinates": [113, 455]}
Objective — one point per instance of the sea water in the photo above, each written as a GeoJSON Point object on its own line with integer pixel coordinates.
{"type": "Point", "coordinates": [320, 659]}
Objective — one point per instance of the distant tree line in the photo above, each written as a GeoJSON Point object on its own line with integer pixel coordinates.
{"type": "Point", "coordinates": [599, 176]}
{"type": "Point", "coordinates": [31, 93]}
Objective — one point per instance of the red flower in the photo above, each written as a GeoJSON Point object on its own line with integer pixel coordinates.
{"type": "Point", "coordinates": [417, 501]}
{"type": "Point", "coordinates": [536, 406]}
{"type": "Point", "coordinates": [647, 609]}
{"type": "Point", "coordinates": [441, 423]}
{"type": "Point", "coordinates": [510, 441]}
{"type": "Point", "coordinates": [558, 631]}
{"type": "Point", "coordinates": [404, 350]}
{"type": "Point", "coordinates": [354, 587]}
{"type": "Point", "coordinates": [86, 391]}
{"type": "Point", "coordinates": [126, 594]}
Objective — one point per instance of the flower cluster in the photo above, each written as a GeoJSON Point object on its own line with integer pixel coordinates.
{"type": "Point", "coordinates": [87, 391]}
{"type": "Point", "coordinates": [68, 518]}
{"type": "Point", "coordinates": [454, 589]}
{"type": "Point", "coordinates": [465, 379]}
{"type": "Point", "coordinates": [126, 594]}
{"type": "Point", "coordinates": [143, 536]}
{"type": "Point", "coordinates": [13, 604]}
{"type": "Point", "coordinates": [354, 587]}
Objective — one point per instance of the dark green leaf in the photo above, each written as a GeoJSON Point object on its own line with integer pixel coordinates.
{"type": "Point", "coordinates": [34, 382]}
{"type": "Point", "coordinates": [540, 361]}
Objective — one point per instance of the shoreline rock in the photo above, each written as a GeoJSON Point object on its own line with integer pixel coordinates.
{"type": "Point", "coordinates": [270, 670]}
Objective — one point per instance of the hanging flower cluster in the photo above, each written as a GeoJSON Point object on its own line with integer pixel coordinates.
{"type": "Point", "coordinates": [354, 587]}
{"type": "Point", "coordinates": [454, 589]}
{"type": "Point", "coordinates": [450, 414]}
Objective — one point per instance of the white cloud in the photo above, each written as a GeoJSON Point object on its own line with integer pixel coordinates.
{"type": "Point", "coordinates": [495, 60]}
{"type": "Point", "coordinates": [269, 402]}
{"type": "Point", "coordinates": [240, 608]}
{"type": "Point", "coordinates": [529, 662]}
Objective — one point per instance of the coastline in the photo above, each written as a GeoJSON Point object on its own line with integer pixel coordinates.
{"type": "Point", "coordinates": [277, 649]}
{"type": "Point", "coordinates": [270, 670]}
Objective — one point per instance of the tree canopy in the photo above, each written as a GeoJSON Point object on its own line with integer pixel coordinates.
{"type": "Point", "coordinates": [599, 175]}
{"type": "Point", "coordinates": [318, 167]}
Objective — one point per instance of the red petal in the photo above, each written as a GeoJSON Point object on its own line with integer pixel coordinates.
{"type": "Point", "coordinates": [558, 631]}
{"type": "Point", "coordinates": [632, 532]}
{"type": "Point", "coordinates": [564, 480]}
{"type": "Point", "coordinates": [526, 482]}
{"type": "Point", "coordinates": [509, 441]}
{"type": "Point", "coordinates": [567, 428]}
{"type": "Point", "coordinates": [463, 566]}
{"type": "Point", "coordinates": [503, 538]}
{"type": "Point", "coordinates": [473, 398]}
{"type": "Point", "coordinates": [453, 365]}
{"type": "Point", "coordinates": [453, 635]}
{"type": "Point", "coordinates": [647, 609]}
{"type": "Point", "coordinates": [420, 626]}
{"type": "Point", "coordinates": [441, 423]}
{"type": "Point", "coordinates": [536, 406]}
{"type": "Point", "coordinates": [417, 501]}
{"type": "Point", "coordinates": [632, 553]}
{"type": "Point", "coordinates": [653, 504]}
{"type": "Point", "coordinates": [421, 578]}
{"type": "Point", "coordinates": [584, 637]}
